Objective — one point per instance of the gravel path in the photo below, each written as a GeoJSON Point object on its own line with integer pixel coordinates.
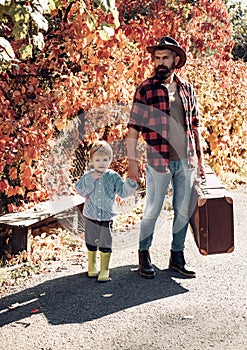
{"type": "Point", "coordinates": [67, 311]}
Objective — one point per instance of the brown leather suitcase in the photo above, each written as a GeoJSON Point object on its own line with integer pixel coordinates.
{"type": "Point", "coordinates": [212, 216]}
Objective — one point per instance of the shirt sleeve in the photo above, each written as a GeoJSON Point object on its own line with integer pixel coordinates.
{"type": "Point", "coordinates": [126, 188]}
{"type": "Point", "coordinates": [85, 185]}
{"type": "Point", "coordinates": [139, 110]}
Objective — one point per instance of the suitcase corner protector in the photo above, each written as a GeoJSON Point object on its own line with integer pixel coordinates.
{"type": "Point", "coordinates": [201, 202]}
{"type": "Point", "coordinates": [203, 252]}
{"type": "Point", "coordinates": [230, 250]}
{"type": "Point", "coordinates": [229, 200]}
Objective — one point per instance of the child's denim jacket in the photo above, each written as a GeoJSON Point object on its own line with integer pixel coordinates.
{"type": "Point", "coordinates": [101, 193]}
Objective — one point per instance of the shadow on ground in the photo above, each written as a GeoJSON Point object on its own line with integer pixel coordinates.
{"type": "Point", "coordinates": [78, 299]}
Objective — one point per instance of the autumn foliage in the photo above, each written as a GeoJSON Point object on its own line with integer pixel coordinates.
{"type": "Point", "coordinates": [93, 58]}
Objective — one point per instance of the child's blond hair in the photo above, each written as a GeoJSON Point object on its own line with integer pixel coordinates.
{"type": "Point", "coordinates": [101, 147]}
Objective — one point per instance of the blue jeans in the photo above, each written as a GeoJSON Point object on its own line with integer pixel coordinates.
{"type": "Point", "coordinates": [182, 179]}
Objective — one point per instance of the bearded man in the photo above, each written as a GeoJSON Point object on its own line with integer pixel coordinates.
{"type": "Point", "coordinates": [165, 112]}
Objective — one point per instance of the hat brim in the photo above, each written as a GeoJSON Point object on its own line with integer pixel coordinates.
{"type": "Point", "coordinates": [181, 53]}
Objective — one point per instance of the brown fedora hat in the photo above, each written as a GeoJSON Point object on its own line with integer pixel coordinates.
{"type": "Point", "coordinates": [169, 43]}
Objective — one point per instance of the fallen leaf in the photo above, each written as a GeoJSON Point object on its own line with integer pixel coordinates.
{"type": "Point", "coordinates": [24, 324]}
{"type": "Point", "coordinates": [34, 311]}
{"type": "Point", "coordinates": [14, 306]}
{"type": "Point", "coordinates": [188, 317]}
{"type": "Point", "coordinates": [107, 295]}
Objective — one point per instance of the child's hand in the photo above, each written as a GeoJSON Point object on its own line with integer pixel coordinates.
{"type": "Point", "coordinates": [96, 174]}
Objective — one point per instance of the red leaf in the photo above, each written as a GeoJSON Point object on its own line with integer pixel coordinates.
{"type": "Point", "coordinates": [34, 311]}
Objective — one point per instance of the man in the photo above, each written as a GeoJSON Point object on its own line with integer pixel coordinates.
{"type": "Point", "coordinates": [165, 112]}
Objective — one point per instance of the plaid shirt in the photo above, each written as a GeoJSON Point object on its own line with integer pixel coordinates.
{"type": "Point", "coordinates": [150, 114]}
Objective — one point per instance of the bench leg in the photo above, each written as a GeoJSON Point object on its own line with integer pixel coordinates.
{"type": "Point", "coordinates": [20, 239]}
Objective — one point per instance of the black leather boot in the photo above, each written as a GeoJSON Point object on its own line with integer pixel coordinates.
{"type": "Point", "coordinates": [177, 263]}
{"type": "Point", "coordinates": [145, 268]}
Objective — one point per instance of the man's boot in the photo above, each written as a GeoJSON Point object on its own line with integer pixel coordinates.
{"type": "Point", "coordinates": [177, 263]}
{"type": "Point", "coordinates": [104, 274]}
{"type": "Point", "coordinates": [92, 263]}
{"type": "Point", "coordinates": [145, 268]}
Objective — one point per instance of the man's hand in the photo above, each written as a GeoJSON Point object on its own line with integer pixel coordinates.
{"type": "Point", "coordinates": [133, 170]}
{"type": "Point", "coordinates": [199, 153]}
{"type": "Point", "coordinates": [201, 169]}
{"type": "Point", "coordinates": [133, 167]}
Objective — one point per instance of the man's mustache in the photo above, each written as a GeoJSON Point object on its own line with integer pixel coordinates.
{"type": "Point", "coordinates": [162, 67]}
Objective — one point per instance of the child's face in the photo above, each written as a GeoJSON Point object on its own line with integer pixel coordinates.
{"type": "Point", "coordinates": [100, 162]}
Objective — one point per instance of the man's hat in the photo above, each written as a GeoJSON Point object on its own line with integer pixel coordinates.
{"type": "Point", "coordinates": [169, 43]}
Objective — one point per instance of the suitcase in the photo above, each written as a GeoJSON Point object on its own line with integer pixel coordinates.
{"type": "Point", "coordinates": [211, 211]}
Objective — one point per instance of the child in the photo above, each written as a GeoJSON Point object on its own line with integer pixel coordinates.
{"type": "Point", "coordinates": [100, 186]}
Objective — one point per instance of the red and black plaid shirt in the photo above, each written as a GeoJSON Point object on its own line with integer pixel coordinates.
{"type": "Point", "coordinates": [150, 115]}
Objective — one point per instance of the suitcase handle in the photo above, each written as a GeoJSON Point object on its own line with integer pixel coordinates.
{"type": "Point", "coordinates": [201, 180]}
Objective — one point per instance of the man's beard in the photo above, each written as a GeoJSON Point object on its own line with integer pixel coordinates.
{"type": "Point", "coordinates": [163, 72]}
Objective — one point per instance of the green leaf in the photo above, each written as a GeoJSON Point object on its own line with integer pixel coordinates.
{"type": "Point", "coordinates": [115, 14]}
{"type": "Point", "coordinates": [26, 51]}
{"type": "Point", "coordinates": [106, 5]}
{"type": "Point", "coordinates": [5, 2]}
{"type": "Point", "coordinates": [109, 6]}
{"type": "Point", "coordinates": [91, 22]}
{"type": "Point", "coordinates": [52, 4]}
{"type": "Point", "coordinates": [7, 50]}
{"type": "Point", "coordinates": [21, 16]}
{"type": "Point", "coordinates": [20, 31]}
{"type": "Point", "coordinates": [41, 5]}
{"type": "Point", "coordinates": [38, 41]}
{"type": "Point", "coordinates": [106, 31]}
{"type": "Point", "coordinates": [40, 20]}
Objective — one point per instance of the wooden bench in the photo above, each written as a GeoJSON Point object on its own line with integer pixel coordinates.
{"type": "Point", "coordinates": [22, 223]}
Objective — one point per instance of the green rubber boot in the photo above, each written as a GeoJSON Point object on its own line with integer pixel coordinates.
{"type": "Point", "coordinates": [92, 263]}
{"type": "Point", "coordinates": [104, 274]}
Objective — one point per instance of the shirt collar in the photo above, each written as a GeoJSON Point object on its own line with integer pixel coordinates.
{"type": "Point", "coordinates": [178, 80]}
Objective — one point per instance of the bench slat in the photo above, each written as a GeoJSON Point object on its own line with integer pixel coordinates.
{"type": "Point", "coordinates": [41, 211]}
{"type": "Point", "coordinates": [22, 223]}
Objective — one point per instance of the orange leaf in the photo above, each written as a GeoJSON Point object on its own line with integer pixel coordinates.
{"type": "Point", "coordinates": [12, 207]}
{"type": "Point", "coordinates": [60, 124]}
{"type": "Point", "coordinates": [11, 191]}
{"type": "Point", "coordinates": [3, 185]}
{"type": "Point", "coordinates": [27, 158]}
{"type": "Point", "coordinates": [120, 67]}
{"type": "Point", "coordinates": [16, 93]}
{"type": "Point", "coordinates": [118, 199]}
{"type": "Point", "coordinates": [13, 173]}
{"type": "Point", "coordinates": [28, 172]}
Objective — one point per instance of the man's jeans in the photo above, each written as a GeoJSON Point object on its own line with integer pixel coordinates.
{"type": "Point", "coordinates": [182, 179]}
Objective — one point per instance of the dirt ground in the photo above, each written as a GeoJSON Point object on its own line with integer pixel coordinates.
{"type": "Point", "coordinates": [64, 310]}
